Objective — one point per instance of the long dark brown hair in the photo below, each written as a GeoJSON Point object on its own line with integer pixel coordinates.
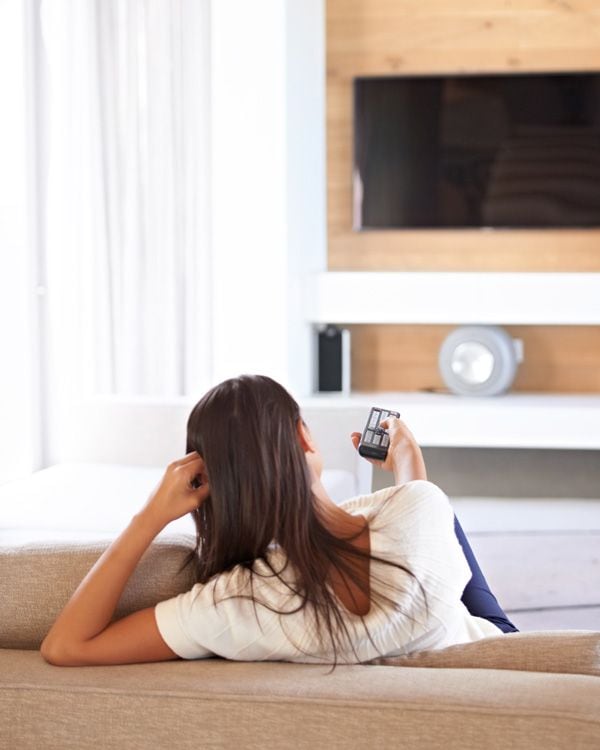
{"type": "Point", "coordinates": [246, 430]}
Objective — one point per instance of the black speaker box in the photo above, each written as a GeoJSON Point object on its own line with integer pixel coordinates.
{"type": "Point", "coordinates": [333, 360]}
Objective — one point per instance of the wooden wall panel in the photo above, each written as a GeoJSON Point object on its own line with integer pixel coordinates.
{"type": "Point", "coordinates": [384, 37]}
{"type": "Point", "coordinates": [561, 359]}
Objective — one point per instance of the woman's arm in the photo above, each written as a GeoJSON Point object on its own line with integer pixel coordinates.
{"type": "Point", "coordinates": [83, 633]}
{"type": "Point", "coordinates": [404, 456]}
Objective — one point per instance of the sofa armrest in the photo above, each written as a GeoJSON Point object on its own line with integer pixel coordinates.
{"type": "Point", "coordinates": [560, 651]}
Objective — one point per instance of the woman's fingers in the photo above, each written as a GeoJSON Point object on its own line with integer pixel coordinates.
{"type": "Point", "coordinates": [201, 493]}
{"type": "Point", "coordinates": [197, 480]}
{"type": "Point", "coordinates": [193, 462]}
{"type": "Point", "coordinates": [192, 470]}
{"type": "Point", "coordinates": [188, 458]}
{"type": "Point", "coordinates": [386, 424]}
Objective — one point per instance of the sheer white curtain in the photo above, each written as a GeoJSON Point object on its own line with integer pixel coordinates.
{"type": "Point", "coordinates": [17, 441]}
{"type": "Point", "coordinates": [128, 230]}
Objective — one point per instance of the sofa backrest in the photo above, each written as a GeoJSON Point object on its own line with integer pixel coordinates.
{"type": "Point", "coordinates": [37, 579]}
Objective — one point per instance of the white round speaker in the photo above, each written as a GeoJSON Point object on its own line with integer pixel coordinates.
{"type": "Point", "coordinates": [479, 360]}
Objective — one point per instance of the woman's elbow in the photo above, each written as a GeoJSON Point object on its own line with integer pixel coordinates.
{"type": "Point", "coordinates": [56, 653]}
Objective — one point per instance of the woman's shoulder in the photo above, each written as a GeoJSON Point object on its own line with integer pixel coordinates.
{"type": "Point", "coordinates": [415, 513]}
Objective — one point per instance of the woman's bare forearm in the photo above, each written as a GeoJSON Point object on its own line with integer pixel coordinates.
{"type": "Point", "coordinates": [92, 606]}
{"type": "Point", "coordinates": [408, 463]}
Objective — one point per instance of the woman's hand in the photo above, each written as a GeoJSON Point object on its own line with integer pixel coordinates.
{"type": "Point", "coordinates": [183, 488]}
{"type": "Point", "coordinates": [404, 455]}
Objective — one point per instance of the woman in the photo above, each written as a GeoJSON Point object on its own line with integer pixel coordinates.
{"type": "Point", "coordinates": [283, 572]}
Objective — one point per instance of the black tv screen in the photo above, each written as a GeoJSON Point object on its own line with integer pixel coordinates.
{"type": "Point", "coordinates": [511, 150]}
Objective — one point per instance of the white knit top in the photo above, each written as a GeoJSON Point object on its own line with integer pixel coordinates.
{"type": "Point", "coordinates": [412, 525]}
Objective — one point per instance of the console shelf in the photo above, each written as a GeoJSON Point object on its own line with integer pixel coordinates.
{"type": "Point", "coordinates": [457, 298]}
{"type": "Point", "coordinates": [515, 420]}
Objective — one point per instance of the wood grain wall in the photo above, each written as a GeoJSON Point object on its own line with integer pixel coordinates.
{"type": "Point", "coordinates": [387, 37]}
{"type": "Point", "coordinates": [559, 359]}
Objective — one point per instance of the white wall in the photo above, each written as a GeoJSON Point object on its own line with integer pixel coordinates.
{"type": "Point", "coordinates": [268, 133]}
{"type": "Point", "coordinates": [306, 180]}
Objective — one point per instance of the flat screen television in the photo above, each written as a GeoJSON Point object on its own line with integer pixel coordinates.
{"type": "Point", "coordinates": [452, 151]}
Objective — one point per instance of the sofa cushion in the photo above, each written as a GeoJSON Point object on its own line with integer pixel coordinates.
{"type": "Point", "coordinates": [568, 651]}
{"type": "Point", "coordinates": [222, 704]}
{"type": "Point", "coordinates": [37, 580]}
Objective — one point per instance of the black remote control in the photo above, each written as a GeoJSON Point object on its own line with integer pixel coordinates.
{"type": "Point", "coordinates": [375, 441]}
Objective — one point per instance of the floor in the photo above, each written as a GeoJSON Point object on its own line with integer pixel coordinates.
{"type": "Point", "coordinates": [541, 557]}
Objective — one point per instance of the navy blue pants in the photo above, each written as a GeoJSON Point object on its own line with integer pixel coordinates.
{"type": "Point", "coordinates": [477, 597]}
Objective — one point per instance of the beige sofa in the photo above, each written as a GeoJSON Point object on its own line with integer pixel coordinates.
{"type": "Point", "coordinates": [531, 690]}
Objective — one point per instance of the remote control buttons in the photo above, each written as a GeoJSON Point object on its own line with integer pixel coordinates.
{"type": "Point", "coordinates": [375, 440]}
{"type": "Point", "coordinates": [378, 416]}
